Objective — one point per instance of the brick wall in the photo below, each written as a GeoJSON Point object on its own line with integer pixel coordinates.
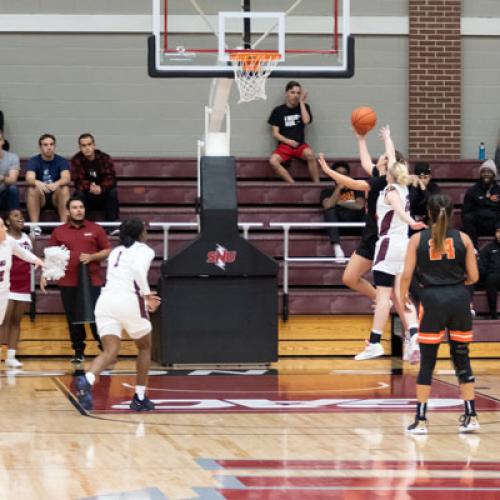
{"type": "Point", "coordinates": [435, 50]}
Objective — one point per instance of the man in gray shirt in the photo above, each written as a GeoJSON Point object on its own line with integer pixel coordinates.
{"type": "Point", "coordinates": [9, 172]}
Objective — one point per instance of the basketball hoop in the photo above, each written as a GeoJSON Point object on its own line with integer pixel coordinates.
{"type": "Point", "coordinates": [251, 70]}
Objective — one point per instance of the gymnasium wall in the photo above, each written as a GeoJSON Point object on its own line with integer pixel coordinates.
{"type": "Point", "coordinates": [73, 82]}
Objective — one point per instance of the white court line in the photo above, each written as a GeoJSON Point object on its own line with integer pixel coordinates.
{"type": "Point", "coordinates": [381, 385]}
{"type": "Point", "coordinates": [362, 372]}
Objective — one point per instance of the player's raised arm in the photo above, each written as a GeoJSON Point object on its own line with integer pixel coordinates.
{"type": "Point", "coordinates": [346, 181]}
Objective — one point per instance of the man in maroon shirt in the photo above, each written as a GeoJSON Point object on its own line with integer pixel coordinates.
{"type": "Point", "coordinates": [88, 245]}
{"type": "Point", "coordinates": [94, 177]}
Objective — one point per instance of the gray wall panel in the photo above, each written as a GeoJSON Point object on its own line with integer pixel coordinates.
{"type": "Point", "coordinates": [68, 84]}
{"type": "Point", "coordinates": [481, 91]}
{"type": "Point", "coordinates": [480, 8]}
{"type": "Point", "coordinates": [358, 7]}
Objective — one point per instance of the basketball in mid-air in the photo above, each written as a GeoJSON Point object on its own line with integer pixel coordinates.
{"type": "Point", "coordinates": [363, 119]}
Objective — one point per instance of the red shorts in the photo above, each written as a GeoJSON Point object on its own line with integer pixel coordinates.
{"type": "Point", "coordinates": [286, 152]}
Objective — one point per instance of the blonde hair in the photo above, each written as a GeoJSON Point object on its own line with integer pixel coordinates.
{"type": "Point", "coordinates": [440, 208]}
{"type": "Point", "coordinates": [399, 172]}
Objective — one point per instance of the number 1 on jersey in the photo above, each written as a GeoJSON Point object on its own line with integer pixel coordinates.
{"type": "Point", "coordinates": [118, 259]}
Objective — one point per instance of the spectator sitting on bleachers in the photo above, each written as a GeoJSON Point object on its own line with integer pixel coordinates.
{"type": "Point", "coordinates": [422, 189]}
{"type": "Point", "coordinates": [6, 145]}
{"type": "Point", "coordinates": [288, 122]}
{"type": "Point", "coordinates": [489, 268]}
{"type": "Point", "coordinates": [94, 177]}
{"type": "Point", "coordinates": [48, 178]}
{"type": "Point", "coordinates": [481, 207]}
{"type": "Point", "coordinates": [9, 172]}
{"type": "Point", "coordinates": [341, 204]}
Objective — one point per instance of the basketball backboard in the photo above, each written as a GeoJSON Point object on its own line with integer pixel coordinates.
{"type": "Point", "coordinates": [195, 38]}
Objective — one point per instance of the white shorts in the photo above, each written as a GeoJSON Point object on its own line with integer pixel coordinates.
{"type": "Point", "coordinates": [114, 313]}
{"type": "Point", "coordinates": [390, 254]}
{"type": "Point", "coordinates": [21, 297]}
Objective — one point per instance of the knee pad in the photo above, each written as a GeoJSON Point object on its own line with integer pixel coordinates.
{"type": "Point", "coordinates": [461, 362]}
{"type": "Point", "coordinates": [428, 357]}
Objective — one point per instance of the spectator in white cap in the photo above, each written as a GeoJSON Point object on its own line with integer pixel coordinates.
{"type": "Point", "coordinates": [481, 208]}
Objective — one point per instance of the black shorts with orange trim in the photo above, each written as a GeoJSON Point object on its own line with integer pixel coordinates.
{"type": "Point", "coordinates": [445, 308]}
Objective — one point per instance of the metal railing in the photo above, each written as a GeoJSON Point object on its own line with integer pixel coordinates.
{"type": "Point", "coordinates": [287, 226]}
{"type": "Point", "coordinates": [166, 226]}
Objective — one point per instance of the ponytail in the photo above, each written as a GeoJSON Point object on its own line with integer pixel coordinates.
{"type": "Point", "coordinates": [130, 232]}
{"type": "Point", "coordinates": [440, 208]}
{"type": "Point", "coordinates": [439, 230]}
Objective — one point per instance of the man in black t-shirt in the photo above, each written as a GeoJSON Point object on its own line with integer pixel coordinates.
{"type": "Point", "coordinates": [341, 204]}
{"type": "Point", "coordinates": [288, 122]}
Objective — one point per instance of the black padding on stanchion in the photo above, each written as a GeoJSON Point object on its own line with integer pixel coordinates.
{"type": "Point", "coordinates": [84, 311]}
{"type": "Point", "coordinates": [220, 293]}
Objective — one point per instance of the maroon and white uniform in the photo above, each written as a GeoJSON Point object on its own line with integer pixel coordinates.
{"type": "Point", "coordinates": [8, 248]}
{"type": "Point", "coordinates": [20, 273]}
{"type": "Point", "coordinates": [390, 251]}
{"type": "Point", "coordinates": [121, 303]}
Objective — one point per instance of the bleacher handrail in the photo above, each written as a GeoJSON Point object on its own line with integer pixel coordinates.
{"type": "Point", "coordinates": [287, 226]}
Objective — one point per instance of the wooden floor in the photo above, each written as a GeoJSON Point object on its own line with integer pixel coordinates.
{"type": "Point", "coordinates": [48, 450]}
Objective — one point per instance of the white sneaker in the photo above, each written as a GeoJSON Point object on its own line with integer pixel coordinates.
{"type": "Point", "coordinates": [414, 350]}
{"type": "Point", "coordinates": [339, 253]}
{"type": "Point", "coordinates": [370, 351]}
{"type": "Point", "coordinates": [418, 427]}
{"type": "Point", "coordinates": [13, 363]}
{"type": "Point", "coordinates": [469, 423]}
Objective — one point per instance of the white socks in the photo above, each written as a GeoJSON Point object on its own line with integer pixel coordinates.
{"type": "Point", "coordinates": [90, 378]}
{"type": "Point", "coordinates": [11, 353]}
{"type": "Point", "coordinates": [140, 390]}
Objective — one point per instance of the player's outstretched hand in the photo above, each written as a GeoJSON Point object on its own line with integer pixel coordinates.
{"type": "Point", "coordinates": [152, 301]}
{"type": "Point", "coordinates": [417, 226]}
{"type": "Point", "coordinates": [323, 163]}
{"type": "Point", "coordinates": [385, 132]}
{"type": "Point", "coordinates": [39, 263]}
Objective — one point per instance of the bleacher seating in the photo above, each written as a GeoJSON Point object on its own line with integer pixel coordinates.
{"type": "Point", "coordinates": [156, 189]}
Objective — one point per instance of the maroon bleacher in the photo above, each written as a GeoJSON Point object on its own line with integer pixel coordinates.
{"type": "Point", "coordinates": [164, 190]}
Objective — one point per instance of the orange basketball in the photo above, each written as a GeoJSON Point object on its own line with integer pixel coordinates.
{"type": "Point", "coordinates": [363, 119]}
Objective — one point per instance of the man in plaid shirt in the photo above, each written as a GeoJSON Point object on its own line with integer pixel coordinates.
{"type": "Point", "coordinates": [94, 177]}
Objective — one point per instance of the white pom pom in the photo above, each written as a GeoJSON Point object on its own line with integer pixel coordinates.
{"type": "Point", "coordinates": [56, 261]}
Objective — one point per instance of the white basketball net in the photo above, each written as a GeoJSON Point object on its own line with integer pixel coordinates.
{"type": "Point", "coordinates": [251, 70]}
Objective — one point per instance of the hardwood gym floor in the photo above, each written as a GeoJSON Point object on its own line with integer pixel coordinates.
{"type": "Point", "coordinates": [309, 428]}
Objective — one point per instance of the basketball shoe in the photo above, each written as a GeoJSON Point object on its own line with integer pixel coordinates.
{"type": "Point", "coordinates": [141, 405]}
{"type": "Point", "coordinates": [418, 427]}
{"type": "Point", "coordinates": [469, 423]}
{"type": "Point", "coordinates": [370, 351]}
{"type": "Point", "coordinates": [83, 392]}
{"type": "Point", "coordinates": [13, 363]}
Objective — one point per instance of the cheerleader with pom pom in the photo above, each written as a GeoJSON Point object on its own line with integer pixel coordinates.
{"type": "Point", "coordinates": [9, 248]}
{"type": "Point", "coordinates": [20, 287]}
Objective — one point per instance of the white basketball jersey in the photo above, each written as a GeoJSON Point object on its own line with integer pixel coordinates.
{"type": "Point", "coordinates": [128, 269]}
{"type": "Point", "coordinates": [388, 222]}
